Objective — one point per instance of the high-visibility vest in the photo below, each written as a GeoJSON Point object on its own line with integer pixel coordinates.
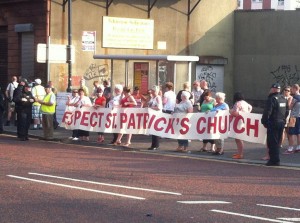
{"type": "Point", "coordinates": [49, 109]}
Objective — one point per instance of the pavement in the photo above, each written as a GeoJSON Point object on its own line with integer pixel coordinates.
{"type": "Point", "coordinates": [253, 152]}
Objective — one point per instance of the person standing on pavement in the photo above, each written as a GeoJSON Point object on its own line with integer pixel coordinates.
{"type": "Point", "coordinates": [240, 105]}
{"type": "Point", "coordinates": [48, 104]}
{"type": "Point", "coordinates": [9, 93]}
{"type": "Point", "coordinates": [155, 103]}
{"type": "Point", "coordinates": [107, 92]}
{"type": "Point", "coordinates": [71, 105]}
{"type": "Point", "coordinates": [99, 103]}
{"type": "Point", "coordinates": [24, 100]}
{"type": "Point", "coordinates": [169, 99]}
{"type": "Point", "coordinates": [294, 131]}
{"type": "Point", "coordinates": [185, 106]}
{"type": "Point", "coordinates": [196, 92]}
{"type": "Point", "coordinates": [115, 102]}
{"type": "Point", "coordinates": [38, 92]}
{"type": "Point", "coordinates": [274, 118]}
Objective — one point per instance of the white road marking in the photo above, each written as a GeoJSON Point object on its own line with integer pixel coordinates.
{"type": "Point", "coordinates": [290, 219]}
{"type": "Point", "coordinates": [204, 202]}
{"type": "Point", "coordinates": [78, 188]}
{"type": "Point", "coordinates": [105, 184]}
{"type": "Point", "coordinates": [250, 216]}
{"type": "Point", "coordinates": [280, 207]}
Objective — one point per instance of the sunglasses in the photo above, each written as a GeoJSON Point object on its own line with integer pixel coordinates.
{"type": "Point", "coordinates": [287, 90]}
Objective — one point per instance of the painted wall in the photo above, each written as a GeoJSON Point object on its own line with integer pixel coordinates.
{"type": "Point", "coordinates": [267, 50]}
{"type": "Point", "coordinates": [209, 32]}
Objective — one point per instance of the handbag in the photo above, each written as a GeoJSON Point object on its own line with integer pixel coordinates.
{"type": "Point", "coordinates": [292, 122]}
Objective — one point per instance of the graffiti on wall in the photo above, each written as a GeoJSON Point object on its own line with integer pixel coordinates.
{"type": "Point", "coordinates": [213, 75]}
{"type": "Point", "coordinates": [286, 74]}
{"type": "Point", "coordinates": [96, 71]}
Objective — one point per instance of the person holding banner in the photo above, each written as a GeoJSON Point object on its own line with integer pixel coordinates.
{"type": "Point", "coordinates": [100, 102]}
{"type": "Point", "coordinates": [220, 105]}
{"type": "Point", "coordinates": [240, 105]}
{"type": "Point", "coordinates": [84, 101]}
{"type": "Point", "coordinates": [207, 105]}
{"type": "Point", "coordinates": [71, 103]}
{"type": "Point", "coordinates": [127, 101]}
{"type": "Point", "coordinates": [155, 103]}
{"type": "Point", "coordinates": [185, 106]}
{"type": "Point", "coordinates": [139, 98]}
{"type": "Point", "coordinates": [274, 118]}
{"type": "Point", "coordinates": [115, 103]}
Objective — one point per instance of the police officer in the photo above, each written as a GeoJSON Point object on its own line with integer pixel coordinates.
{"type": "Point", "coordinates": [23, 100]}
{"type": "Point", "coordinates": [274, 118]}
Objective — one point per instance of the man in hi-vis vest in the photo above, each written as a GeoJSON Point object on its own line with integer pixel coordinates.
{"type": "Point", "coordinates": [48, 110]}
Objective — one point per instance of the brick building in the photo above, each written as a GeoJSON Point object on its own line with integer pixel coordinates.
{"type": "Point", "coordinates": [23, 24]}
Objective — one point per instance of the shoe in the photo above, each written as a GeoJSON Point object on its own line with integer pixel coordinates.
{"type": "Point", "coordinates": [218, 153]}
{"type": "Point", "coordinates": [153, 148]}
{"type": "Point", "coordinates": [22, 139]}
{"type": "Point", "coordinates": [273, 164]}
{"type": "Point", "coordinates": [297, 150]}
{"type": "Point", "coordinates": [265, 158]}
{"type": "Point", "coordinates": [117, 143]}
{"type": "Point", "coordinates": [34, 129]}
{"type": "Point", "coordinates": [289, 150]}
{"type": "Point", "coordinates": [70, 137]}
{"type": "Point", "coordinates": [203, 150]}
{"type": "Point", "coordinates": [75, 139]}
{"type": "Point", "coordinates": [126, 144]}
{"type": "Point", "coordinates": [179, 149]}
{"type": "Point", "coordinates": [111, 143]}
{"type": "Point", "coordinates": [237, 156]}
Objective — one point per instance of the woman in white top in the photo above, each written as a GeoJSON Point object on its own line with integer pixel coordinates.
{"type": "Point", "coordinates": [115, 102]}
{"type": "Point", "coordinates": [84, 101]}
{"type": "Point", "coordinates": [155, 103]}
{"type": "Point", "coordinates": [169, 98]}
{"type": "Point", "coordinates": [71, 102]}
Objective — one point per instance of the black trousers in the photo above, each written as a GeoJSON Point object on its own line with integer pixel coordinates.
{"type": "Point", "coordinates": [274, 135]}
{"type": "Point", "coordinates": [23, 124]}
{"type": "Point", "coordinates": [155, 141]}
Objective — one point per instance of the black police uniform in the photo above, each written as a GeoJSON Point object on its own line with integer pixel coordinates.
{"type": "Point", "coordinates": [23, 110]}
{"type": "Point", "coordinates": [274, 119]}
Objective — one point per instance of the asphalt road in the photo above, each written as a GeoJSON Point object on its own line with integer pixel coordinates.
{"type": "Point", "coordinates": [54, 182]}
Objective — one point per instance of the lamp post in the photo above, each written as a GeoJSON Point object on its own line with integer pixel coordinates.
{"type": "Point", "coordinates": [69, 57]}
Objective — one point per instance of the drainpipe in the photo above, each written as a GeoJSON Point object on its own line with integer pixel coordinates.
{"type": "Point", "coordinates": [69, 59]}
{"type": "Point", "coordinates": [48, 31]}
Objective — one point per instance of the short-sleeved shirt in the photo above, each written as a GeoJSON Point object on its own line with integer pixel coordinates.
{"type": "Point", "coordinates": [171, 100]}
{"type": "Point", "coordinates": [208, 106]}
{"type": "Point", "coordinates": [11, 87]}
{"type": "Point", "coordinates": [183, 106]}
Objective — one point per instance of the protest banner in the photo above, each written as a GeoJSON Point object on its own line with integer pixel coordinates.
{"type": "Point", "coordinates": [211, 125]}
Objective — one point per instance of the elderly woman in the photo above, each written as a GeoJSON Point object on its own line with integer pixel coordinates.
{"type": "Point", "coordinates": [71, 102]}
{"type": "Point", "coordinates": [206, 106]}
{"type": "Point", "coordinates": [155, 103]}
{"type": "Point", "coordinates": [240, 105]}
{"type": "Point", "coordinates": [127, 101]}
{"type": "Point", "coordinates": [100, 102]}
{"type": "Point", "coordinates": [186, 87]}
{"type": "Point", "coordinates": [115, 103]}
{"type": "Point", "coordinates": [220, 105]}
{"type": "Point", "coordinates": [84, 101]}
{"type": "Point", "coordinates": [185, 106]}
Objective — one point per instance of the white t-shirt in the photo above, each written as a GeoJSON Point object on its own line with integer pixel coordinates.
{"type": "Point", "coordinates": [11, 87]}
{"type": "Point", "coordinates": [115, 102]}
{"type": "Point", "coordinates": [170, 96]}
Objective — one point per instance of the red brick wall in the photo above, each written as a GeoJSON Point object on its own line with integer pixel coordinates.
{"type": "Point", "coordinates": [31, 11]}
{"type": "Point", "coordinates": [247, 4]}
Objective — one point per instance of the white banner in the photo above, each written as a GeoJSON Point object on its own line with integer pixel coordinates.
{"type": "Point", "coordinates": [212, 125]}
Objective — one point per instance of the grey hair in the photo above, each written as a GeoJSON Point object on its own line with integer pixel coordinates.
{"type": "Point", "coordinates": [220, 95]}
